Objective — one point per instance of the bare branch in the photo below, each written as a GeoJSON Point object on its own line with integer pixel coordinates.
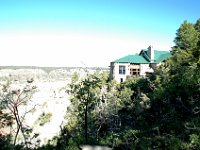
{"type": "Point", "coordinates": [196, 110]}
{"type": "Point", "coordinates": [191, 127]}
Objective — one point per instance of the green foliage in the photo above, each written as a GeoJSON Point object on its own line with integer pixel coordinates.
{"type": "Point", "coordinates": [175, 102]}
{"type": "Point", "coordinates": [5, 142]}
{"type": "Point", "coordinates": [186, 37]}
{"type": "Point", "coordinates": [85, 95]}
{"type": "Point", "coordinates": [44, 118]}
{"type": "Point", "coordinates": [194, 141]}
{"type": "Point", "coordinates": [12, 98]}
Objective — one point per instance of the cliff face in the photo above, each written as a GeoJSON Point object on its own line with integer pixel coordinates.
{"type": "Point", "coordinates": [43, 73]}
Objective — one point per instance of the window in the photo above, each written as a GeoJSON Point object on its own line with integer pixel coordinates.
{"type": "Point", "coordinates": [134, 72]}
{"type": "Point", "coordinates": [122, 70]}
{"type": "Point", "coordinates": [121, 79]}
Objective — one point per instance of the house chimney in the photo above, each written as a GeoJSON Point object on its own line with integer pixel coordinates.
{"type": "Point", "coordinates": [151, 53]}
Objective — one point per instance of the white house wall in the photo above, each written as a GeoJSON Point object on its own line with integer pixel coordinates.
{"type": "Point", "coordinates": [145, 68]}
{"type": "Point", "coordinates": [116, 74]}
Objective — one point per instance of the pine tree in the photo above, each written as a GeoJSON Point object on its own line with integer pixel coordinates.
{"type": "Point", "coordinates": [186, 37]}
{"type": "Point", "coordinates": [197, 51]}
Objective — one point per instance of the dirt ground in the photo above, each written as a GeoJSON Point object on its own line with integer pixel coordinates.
{"type": "Point", "coordinates": [89, 147]}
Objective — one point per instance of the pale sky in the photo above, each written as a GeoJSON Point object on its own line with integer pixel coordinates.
{"type": "Point", "coordinates": [62, 33]}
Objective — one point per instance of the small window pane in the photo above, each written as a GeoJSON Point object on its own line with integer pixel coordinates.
{"type": "Point", "coordinates": [122, 69]}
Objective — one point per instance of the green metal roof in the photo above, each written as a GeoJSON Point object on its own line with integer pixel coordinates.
{"type": "Point", "coordinates": [159, 56]}
{"type": "Point", "coordinates": [132, 59]}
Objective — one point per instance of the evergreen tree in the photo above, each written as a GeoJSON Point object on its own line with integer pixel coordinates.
{"type": "Point", "coordinates": [197, 50]}
{"type": "Point", "coordinates": [186, 37]}
{"type": "Point", "coordinates": [85, 94]}
{"type": "Point", "coordinates": [176, 106]}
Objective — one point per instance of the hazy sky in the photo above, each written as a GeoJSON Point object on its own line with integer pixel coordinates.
{"type": "Point", "coordinates": [95, 32]}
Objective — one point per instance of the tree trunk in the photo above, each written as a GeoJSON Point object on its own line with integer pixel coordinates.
{"type": "Point", "coordinates": [18, 127]}
{"type": "Point", "coordinates": [16, 135]}
{"type": "Point", "coordinates": [86, 124]}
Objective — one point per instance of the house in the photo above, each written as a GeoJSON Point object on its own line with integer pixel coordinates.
{"type": "Point", "coordinates": [137, 65]}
